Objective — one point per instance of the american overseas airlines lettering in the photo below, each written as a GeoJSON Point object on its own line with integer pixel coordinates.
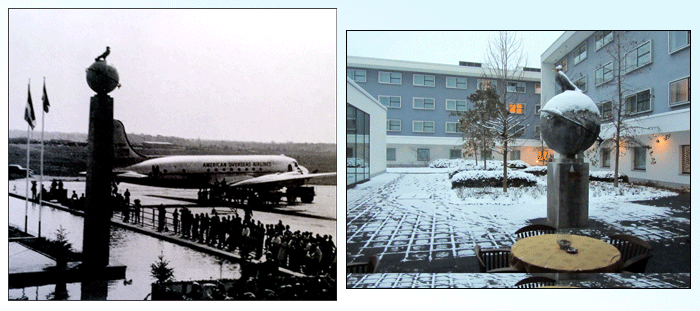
{"type": "Point", "coordinates": [237, 164]}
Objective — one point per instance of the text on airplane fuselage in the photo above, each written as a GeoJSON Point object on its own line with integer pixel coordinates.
{"type": "Point", "coordinates": [237, 164]}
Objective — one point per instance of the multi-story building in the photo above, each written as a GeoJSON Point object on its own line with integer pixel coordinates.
{"type": "Point", "coordinates": [422, 97]}
{"type": "Point", "coordinates": [655, 75]}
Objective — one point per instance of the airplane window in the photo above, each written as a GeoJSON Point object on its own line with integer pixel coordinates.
{"type": "Point", "coordinates": [223, 169]}
{"type": "Point", "coordinates": [246, 169]}
{"type": "Point", "coordinates": [207, 170]}
{"type": "Point", "coordinates": [165, 171]}
{"type": "Point", "coordinates": [289, 168]}
{"type": "Point", "coordinates": [183, 170]}
{"type": "Point", "coordinates": [252, 169]}
{"type": "Point", "coordinates": [216, 170]}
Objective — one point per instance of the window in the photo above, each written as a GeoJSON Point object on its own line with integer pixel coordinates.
{"type": "Point", "coordinates": [563, 63]}
{"type": "Point", "coordinates": [351, 120]}
{"type": "Point", "coordinates": [357, 75]}
{"type": "Point", "coordinates": [537, 131]}
{"type": "Point", "coordinates": [357, 146]}
{"type": "Point", "coordinates": [580, 53]}
{"type": "Point", "coordinates": [515, 155]}
{"type": "Point", "coordinates": [605, 110]}
{"type": "Point", "coordinates": [424, 126]}
{"type": "Point", "coordinates": [451, 127]}
{"type": "Point", "coordinates": [685, 159]}
{"type": "Point", "coordinates": [456, 83]}
{"type": "Point", "coordinates": [605, 157]}
{"type": "Point", "coordinates": [516, 87]}
{"type": "Point", "coordinates": [640, 158]}
{"type": "Point", "coordinates": [604, 73]}
{"type": "Point", "coordinates": [486, 154]}
{"type": "Point", "coordinates": [679, 92]}
{"type": "Point", "coordinates": [455, 154]}
{"type": "Point", "coordinates": [581, 83]}
{"type": "Point", "coordinates": [537, 108]}
{"type": "Point", "coordinates": [678, 40]}
{"type": "Point", "coordinates": [538, 88]}
{"type": "Point", "coordinates": [423, 80]}
{"type": "Point", "coordinates": [391, 154]}
{"type": "Point", "coordinates": [390, 101]}
{"type": "Point", "coordinates": [638, 57]}
{"type": "Point", "coordinates": [602, 38]}
{"type": "Point", "coordinates": [516, 108]}
{"type": "Point", "coordinates": [390, 77]}
{"type": "Point", "coordinates": [423, 154]}
{"type": "Point", "coordinates": [456, 105]}
{"type": "Point", "coordinates": [517, 130]}
{"type": "Point", "coordinates": [393, 125]}
{"type": "Point", "coordinates": [638, 103]}
{"type": "Point", "coordinates": [542, 156]}
{"type": "Point", "coordinates": [424, 103]}
{"type": "Point", "coordinates": [482, 84]}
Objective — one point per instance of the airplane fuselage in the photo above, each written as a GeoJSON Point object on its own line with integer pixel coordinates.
{"type": "Point", "coordinates": [202, 171]}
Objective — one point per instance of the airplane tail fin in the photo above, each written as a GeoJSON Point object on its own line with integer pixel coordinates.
{"type": "Point", "coordinates": [124, 154]}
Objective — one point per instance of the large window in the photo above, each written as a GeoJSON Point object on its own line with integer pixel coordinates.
{"type": "Point", "coordinates": [605, 110]}
{"type": "Point", "coordinates": [391, 154]}
{"type": "Point", "coordinates": [605, 157]}
{"type": "Point", "coordinates": [424, 103]}
{"type": "Point", "coordinates": [357, 149]}
{"type": "Point", "coordinates": [515, 155]}
{"type": "Point", "coordinates": [516, 87]}
{"type": "Point", "coordinates": [451, 127]}
{"type": "Point", "coordinates": [678, 40]}
{"type": "Point", "coordinates": [638, 57]}
{"type": "Point", "coordinates": [456, 83]}
{"type": "Point", "coordinates": [602, 38]}
{"type": "Point", "coordinates": [580, 53]}
{"type": "Point", "coordinates": [640, 158]}
{"type": "Point", "coordinates": [389, 77]}
{"type": "Point", "coordinates": [638, 103]}
{"type": "Point", "coordinates": [679, 92]}
{"type": "Point", "coordinates": [423, 154]}
{"type": "Point", "coordinates": [455, 154]}
{"type": "Point", "coordinates": [604, 73]}
{"type": "Point", "coordinates": [357, 75]}
{"type": "Point", "coordinates": [516, 108]}
{"type": "Point", "coordinates": [393, 125]}
{"type": "Point", "coordinates": [456, 105]}
{"type": "Point", "coordinates": [424, 126]}
{"type": "Point", "coordinates": [423, 80]}
{"type": "Point", "coordinates": [390, 101]}
{"type": "Point", "coordinates": [482, 84]}
{"type": "Point", "coordinates": [685, 159]}
{"type": "Point", "coordinates": [581, 83]}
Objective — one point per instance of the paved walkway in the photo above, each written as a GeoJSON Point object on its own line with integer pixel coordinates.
{"type": "Point", "coordinates": [419, 230]}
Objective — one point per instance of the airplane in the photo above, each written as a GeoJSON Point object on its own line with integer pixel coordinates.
{"type": "Point", "coordinates": [252, 177]}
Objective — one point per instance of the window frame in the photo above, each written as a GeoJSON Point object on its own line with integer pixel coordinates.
{"type": "Point", "coordinates": [423, 98]}
{"type": "Point", "coordinates": [447, 104]}
{"type": "Point", "coordinates": [538, 88]}
{"type": "Point", "coordinates": [456, 127]}
{"type": "Point", "coordinates": [491, 82]}
{"type": "Point", "coordinates": [683, 157]}
{"type": "Point", "coordinates": [609, 32]}
{"type": "Point", "coordinates": [577, 54]}
{"type": "Point", "coordinates": [636, 50]}
{"type": "Point", "coordinates": [413, 126]}
{"type": "Point", "coordinates": [424, 80]}
{"type": "Point", "coordinates": [459, 151]}
{"type": "Point", "coordinates": [524, 86]}
{"type": "Point", "coordinates": [651, 102]}
{"type": "Point", "coordinates": [418, 154]}
{"type": "Point", "coordinates": [602, 67]}
{"type": "Point", "coordinates": [394, 154]}
{"type": "Point", "coordinates": [602, 114]}
{"type": "Point", "coordinates": [456, 83]}
{"type": "Point", "coordinates": [605, 154]}
{"type": "Point", "coordinates": [388, 125]}
{"type": "Point", "coordinates": [637, 155]}
{"type": "Point", "coordinates": [379, 99]}
{"type": "Point", "coordinates": [670, 104]}
{"type": "Point", "coordinates": [522, 110]}
{"type": "Point", "coordinates": [537, 131]}
{"type": "Point", "coordinates": [682, 47]}
{"type": "Point", "coordinates": [353, 75]}
{"type": "Point", "coordinates": [510, 156]}
{"type": "Point", "coordinates": [379, 77]}
{"type": "Point", "coordinates": [585, 83]}
{"type": "Point", "coordinates": [563, 62]}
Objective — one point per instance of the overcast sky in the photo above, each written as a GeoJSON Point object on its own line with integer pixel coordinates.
{"type": "Point", "coordinates": [443, 47]}
{"type": "Point", "coordinates": [209, 74]}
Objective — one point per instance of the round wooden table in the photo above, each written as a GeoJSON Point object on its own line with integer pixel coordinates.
{"type": "Point", "coordinates": [541, 254]}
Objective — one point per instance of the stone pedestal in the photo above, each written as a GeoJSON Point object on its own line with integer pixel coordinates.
{"type": "Point", "coordinates": [567, 193]}
{"type": "Point", "coordinates": [98, 184]}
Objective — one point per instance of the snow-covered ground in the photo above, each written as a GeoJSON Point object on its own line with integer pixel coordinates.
{"type": "Point", "coordinates": [414, 215]}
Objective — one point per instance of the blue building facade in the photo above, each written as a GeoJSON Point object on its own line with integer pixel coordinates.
{"type": "Point", "coordinates": [421, 99]}
{"type": "Point", "coordinates": [654, 70]}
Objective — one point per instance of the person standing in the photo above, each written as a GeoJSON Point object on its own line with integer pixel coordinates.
{"type": "Point", "coordinates": [127, 195]}
{"type": "Point", "coordinates": [33, 189]}
{"type": "Point", "coordinates": [161, 218]}
{"type": "Point", "coordinates": [175, 215]}
{"type": "Point", "coordinates": [137, 209]}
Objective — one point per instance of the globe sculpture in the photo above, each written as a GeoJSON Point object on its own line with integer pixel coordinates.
{"type": "Point", "coordinates": [570, 121]}
{"type": "Point", "coordinates": [102, 77]}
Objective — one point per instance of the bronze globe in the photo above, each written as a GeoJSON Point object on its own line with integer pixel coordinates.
{"type": "Point", "coordinates": [102, 77]}
{"type": "Point", "coordinates": [570, 123]}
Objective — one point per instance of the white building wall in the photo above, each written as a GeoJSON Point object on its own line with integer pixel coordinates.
{"type": "Point", "coordinates": [360, 99]}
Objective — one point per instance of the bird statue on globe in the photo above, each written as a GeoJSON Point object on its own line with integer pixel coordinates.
{"type": "Point", "coordinates": [103, 57]}
{"type": "Point", "coordinates": [101, 76]}
{"type": "Point", "coordinates": [570, 120]}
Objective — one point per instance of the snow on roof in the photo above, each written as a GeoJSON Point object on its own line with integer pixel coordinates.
{"type": "Point", "coordinates": [570, 101]}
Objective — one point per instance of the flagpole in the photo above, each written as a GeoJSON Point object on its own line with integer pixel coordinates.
{"type": "Point", "coordinates": [26, 195]}
{"type": "Point", "coordinates": [41, 177]}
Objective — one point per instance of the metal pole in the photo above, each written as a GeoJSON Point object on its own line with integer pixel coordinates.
{"type": "Point", "coordinates": [41, 177]}
{"type": "Point", "coordinates": [26, 196]}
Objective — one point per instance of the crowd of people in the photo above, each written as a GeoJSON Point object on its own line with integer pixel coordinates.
{"type": "Point", "coordinates": [59, 194]}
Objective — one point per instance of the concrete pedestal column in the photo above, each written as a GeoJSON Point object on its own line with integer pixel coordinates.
{"type": "Point", "coordinates": [567, 193]}
{"type": "Point", "coordinates": [98, 183]}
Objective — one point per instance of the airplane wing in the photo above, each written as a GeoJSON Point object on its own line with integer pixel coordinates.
{"type": "Point", "coordinates": [279, 178]}
{"type": "Point", "coordinates": [129, 175]}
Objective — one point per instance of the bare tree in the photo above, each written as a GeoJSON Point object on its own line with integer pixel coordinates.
{"type": "Point", "coordinates": [476, 136]}
{"type": "Point", "coordinates": [625, 129]}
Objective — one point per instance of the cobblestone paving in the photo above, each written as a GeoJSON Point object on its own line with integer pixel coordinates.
{"type": "Point", "coordinates": [421, 230]}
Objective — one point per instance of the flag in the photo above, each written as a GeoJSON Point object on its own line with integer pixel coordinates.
{"type": "Point", "coordinates": [29, 111]}
{"type": "Point", "coordinates": [45, 99]}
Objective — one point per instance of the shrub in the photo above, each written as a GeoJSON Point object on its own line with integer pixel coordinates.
{"type": "Point", "coordinates": [607, 176]}
{"type": "Point", "coordinates": [536, 170]}
{"type": "Point", "coordinates": [491, 179]}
